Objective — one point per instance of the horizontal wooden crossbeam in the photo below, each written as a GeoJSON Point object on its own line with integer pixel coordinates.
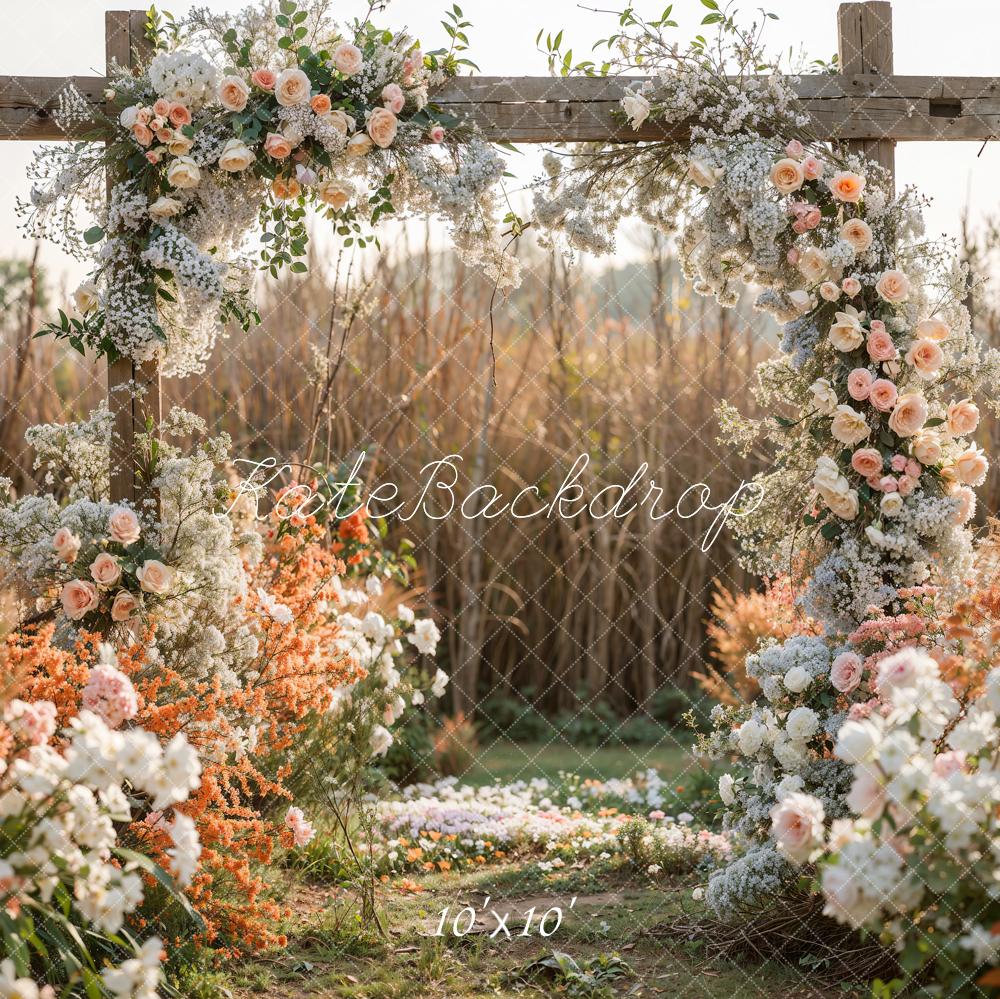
{"type": "Point", "coordinates": [552, 109]}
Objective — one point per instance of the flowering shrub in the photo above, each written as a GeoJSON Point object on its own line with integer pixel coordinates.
{"type": "Point", "coordinates": [306, 112]}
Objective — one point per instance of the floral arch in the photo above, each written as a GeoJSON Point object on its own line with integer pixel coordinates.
{"type": "Point", "coordinates": [872, 752]}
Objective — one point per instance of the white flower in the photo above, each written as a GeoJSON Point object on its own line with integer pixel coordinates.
{"type": "Point", "coordinates": [128, 116]}
{"type": "Point", "coordinates": [86, 297]}
{"type": "Point", "coordinates": [797, 679]}
{"type": "Point", "coordinates": [750, 737]}
{"type": "Point", "coordinates": [373, 586]}
{"type": "Point", "coordinates": [727, 789]}
{"type": "Point", "coordinates": [636, 107]}
{"type": "Point", "coordinates": [425, 636]}
{"type": "Point", "coordinates": [380, 740]}
{"type": "Point", "coordinates": [235, 156]}
{"type": "Point", "coordinates": [702, 174]}
{"type": "Point", "coordinates": [856, 741]}
{"type": "Point", "coordinates": [801, 723]}
{"type": "Point", "coordinates": [440, 683]}
{"type": "Point", "coordinates": [849, 426]}
{"type": "Point", "coordinates": [891, 504]}
{"type": "Point", "coordinates": [165, 207]}
{"type": "Point", "coordinates": [183, 173]}
{"type": "Point", "coordinates": [824, 396]}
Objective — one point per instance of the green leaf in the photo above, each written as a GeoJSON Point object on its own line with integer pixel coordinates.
{"type": "Point", "coordinates": [93, 235]}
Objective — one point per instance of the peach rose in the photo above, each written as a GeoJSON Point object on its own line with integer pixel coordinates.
{"type": "Point", "coordinates": [812, 168]}
{"type": "Point", "coordinates": [845, 673]}
{"type": "Point", "coordinates": [79, 597]}
{"type": "Point", "coordinates": [851, 286]}
{"type": "Point", "coordinates": [867, 462]}
{"type": "Point", "coordinates": [285, 188]}
{"type": "Point", "coordinates": [813, 265]}
{"type": "Point", "coordinates": [359, 145]}
{"type": "Point", "coordinates": [123, 526]}
{"type": "Point", "coordinates": [963, 418]}
{"type": "Point", "coordinates": [277, 146]}
{"type": "Point", "coordinates": [859, 384]}
{"type": "Point", "coordinates": [142, 134]}
{"type": "Point", "coordinates": [880, 345]}
{"type": "Point", "coordinates": [971, 467]}
{"type": "Point", "coordinates": [105, 570]}
{"type": "Point", "coordinates": [340, 120]}
{"type": "Point", "coordinates": [909, 416]}
{"type": "Point", "coordinates": [847, 186]}
{"type": "Point", "coordinates": [123, 606]}
{"type": "Point", "coordinates": [906, 485]}
{"type": "Point", "coordinates": [154, 576]}
{"type": "Point", "coordinates": [164, 134]}
{"type": "Point", "coordinates": [849, 426]}
{"type": "Point", "coordinates": [830, 291]}
{"type": "Point", "coordinates": [393, 97]}
{"type": "Point", "coordinates": [180, 144]}
{"type": "Point", "coordinates": [321, 104]}
{"type": "Point", "coordinates": [235, 156]}
{"type": "Point", "coordinates": [932, 329]}
{"type": "Point", "coordinates": [382, 127]}
{"type": "Point", "coordinates": [292, 87]}
{"type": "Point", "coordinates": [143, 116]}
{"type": "Point", "coordinates": [893, 286]}
{"type": "Point", "coordinates": [857, 234]}
{"type": "Point", "coordinates": [180, 115]}
{"type": "Point", "coordinates": [925, 357]}
{"type": "Point", "coordinates": [787, 175]}
{"type": "Point", "coordinates": [161, 107]}
{"type": "Point", "coordinates": [233, 93]}
{"type": "Point", "coordinates": [65, 544]}
{"type": "Point", "coordinates": [888, 484]}
{"type": "Point", "coordinates": [348, 59]}
{"type": "Point", "coordinates": [336, 193]}
{"type": "Point", "coordinates": [263, 78]}
{"type": "Point", "coordinates": [926, 447]}
{"type": "Point", "coordinates": [883, 395]}
{"type": "Point", "coordinates": [797, 825]}
{"type": "Point", "coordinates": [966, 504]}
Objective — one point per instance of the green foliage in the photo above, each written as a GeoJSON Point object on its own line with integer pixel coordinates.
{"type": "Point", "coordinates": [514, 719]}
{"type": "Point", "coordinates": [410, 758]}
{"type": "Point", "coordinates": [595, 978]}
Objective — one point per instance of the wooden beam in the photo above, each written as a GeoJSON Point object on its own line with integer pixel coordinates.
{"type": "Point", "coordinates": [864, 44]}
{"type": "Point", "coordinates": [133, 389]}
{"type": "Point", "coordinates": [850, 106]}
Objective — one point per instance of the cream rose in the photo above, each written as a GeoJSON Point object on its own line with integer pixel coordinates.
{"type": "Point", "coordinates": [105, 570]}
{"type": "Point", "coordinates": [849, 426]}
{"type": "Point", "coordinates": [292, 87]}
{"type": "Point", "coordinates": [891, 504]}
{"type": "Point", "coordinates": [66, 544]}
{"type": "Point", "coordinates": [235, 156]}
{"type": "Point", "coordinates": [857, 234]}
{"type": "Point", "coordinates": [801, 301]}
{"type": "Point", "coordinates": [926, 447]}
{"type": "Point", "coordinates": [932, 329]}
{"type": "Point", "coordinates": [382, 126]}
{"type": "Point", "coordinates": [847, 186]}
{"type": "Point", "coordinates": [867, 462]}
{"type": "Point", "coordinates": [348, 59]}
{"type": "Point", "coordinates": [846, 333]}
{"type": "Point", "coordinates": [636, 108]}
{"type": "Point", "coordinates": [79, 597]}
{"type": "Point", "coordinates": [893, 286]}
{"type": "Point", "coordinates": [183, 173]}
{"type": "Point", "coordinates": [814, 266]}
{"type": "Point", "coordinates": [787, 176]}
{"type": "Point", "coordinates": [123, 526]}
{"type": "Point", "coordinates": [336, 193]}
{"type": "Point", "coordinates": [123, 606]}
{"type": "Point", "coordinates": [155, 577]}
{"type": "Point", "coordinates": [963, 418]}
{"type": "Point", "coordinates": [830, 291]}
{"type": "Point", "coordinates": [233, 93]}
{"type": "Point", "coordinates": [179, 145]}
{"type": "Point", "coordinates": [971, 467]}
{"type": "Point", "coordinates": [359, 145]}
{"type": "Point", "coordinates": [824, 396]}
{"type": "Point", "coordinates": [926, 358]}
{"type": "Point", "coordinates": [909, 415]}
{"type": "Point", "coordinates": [340, 120]}
{"type": "Point", "coordinates": [702, 174]}
{"type": "Point", "coordinates": [86, 297]}
{"type": "Point", "coordinates": [851, 286]}
{"type": "Point", "coordinates": [165, 207]}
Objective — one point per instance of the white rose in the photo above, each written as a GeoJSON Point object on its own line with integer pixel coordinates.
{"type": "Point", "coordinates": [827, 476]}
{"type": "Point", "coordinates": [86, 297]}
{"type": "Point", "coordinates": [891, 504]}
{"type": "Point", "coordinates": [235, 156]}
{"type": "Point", "coordinates": [801, 300]}
{"type": "Point", "coordinates": [727, 789]}
{"type": "Point", "coordinates": [856, 741]}
{"type": "Point", "coordinates": [183, 172]}
{"type": "Point", "coordinates": [844, 505]}
{"type": "Point", "coordinates": [636, 108]}
{"type": "Point", "coordinates": [164, 207]}
{"type": "Point", "coordinates": [824, 396]}
{"type": "Point", "coordinates": [128, 116]}
{"type": "Point", "coordinates": [797, 679]}
{"type": "Point", "coordinates": [846, 333]}
{"type": "Point", "coordinates": [814, 266]}
{"type": "Point", "coordinates": [849, 426]}
{"type": "Point", "coordinates": [702, 174]}
{"type": "Point", "coordinates": [801, 723]}
{"type": "Point", "coordinates": [750, 737]}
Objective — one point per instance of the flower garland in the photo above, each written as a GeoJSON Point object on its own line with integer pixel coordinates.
{"type": "Point", "coordinates": [255, 119]}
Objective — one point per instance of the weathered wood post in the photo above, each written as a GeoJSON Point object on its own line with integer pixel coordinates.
{"type": "Point", "coordinates": [864, 37]}
{"type": "Point", "coordinates": [133, 389]}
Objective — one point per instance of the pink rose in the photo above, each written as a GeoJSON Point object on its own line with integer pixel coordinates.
{"type": "Point", "coordinates": [105, 570]}
{"type": "Point", "coordinates": [875, 483]}
{"type": "Point", "coordinates": [906, 485]}
{"type": "Point", "coordinates": [233, 93]}
{"type": "Point", "coordinates": [161, 108]}
{"type": "Point", "coordinates": [913, 468]}
{"type": "Point", "coordinates": [382, 127]}
{"type": "Point", "coordinates": [123, 526]}
{"type": "Point", "coordinates": [79, 597]}
{"type": "Point", "coordinates": [893, 286]}
{"type": "Point", "coordinates": [845, 673]}
{"type": "Point", "coordinates": [867, 461]}
{"type": "Point", "coordinates": [880, 345]}
{"type": "Point", "coordinates": [792, 256]}
{"type": "Point", "coordinates": [883, 395]}
{"type": "Point", "coordinates": [265, 79]}
{"type": "Point", "coordinates": [971, 467]}
{"type": "Point", "coordinates": [436, 133]}
{"type": "Point", "coordinates": [966, 504]}
{"type": "Point", "coordinates": [859, 384]}
{"type": "Point", "coordinates": [66, 544]}
{"type": "Point", "coordinates": [851, 286]}
{"type": "Point", "coordinates": [963, 418]}
{"type": "Point", "coordinates": [797, 825]}
{"type": "Point", "coordinates": [812, 168]}
{"type": "Point", "coordinates": [932, 329]}
{"type": "Point", "coordinates": [180, 115]}
{"type": "Point", "coordinates": [794, 149]}
{"type": "Point", "coordinates": [348, 59]}
{"type": "Point", "coordinates": [888, 484]}
{"type": "Point", "coordinates": [277, 146]}
{"type": "Point", "coordinates": [154, 577]}
{"type": "Point", "coordinates": [393, 97]}
{"type": "Point", "coordinates": [124, 606]}
{"type": "Point", "coordinates": [926, 357]}
{"type": "Point", "coordinates": [143, 116]}
{"type": "Point", "coordinates": [830, 291]}
{"type": "Point", "coordinates": [898, 463]}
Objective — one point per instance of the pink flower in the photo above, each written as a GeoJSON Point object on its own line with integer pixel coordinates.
{"type": "Point", "coordinates": [867, 461]}
{"type": "Point", "coordinates": [348, 59]}
{"type": "Point", "coordinates": [180, 115]}
{"type": "Point", "coordinates": [105, 570]}
{"type": "Point", "coordinates": [948, 763]}
{"type": "Point", "coordinates": [913, 468]}
{"type": "Point", "coordinates": [277, 146]}
{"type": "Point", "coordinates": [123, 526]}
{"type": "Point", "coordinates": [851, 286]}
{"type": "Point", "coordinates": [887, 484]}
{"type": "Point", "coordinates": [142, 134]}
{"type": "Point", "coordinates": [847, 186]}
{"type": "Point", "coordinates": [161, 108]}
{"type": "Point", "coordinates": [34, 721]}
{"type": "Point", "coordinates": [859, 384]}
{"type": "Point", "coordinates": [66, 544]}
{"type": "Point", "coordinates": [393, 97]}
{"type": "Point", "coordinates": [436, 133]}
{"type": "Point", "coordinates": [321, 104]}
{"type": "Point", "coordinates": [110, 695]}
{"type": "Point", "coordinates": [906, 485]}
{"type": "Point", "coordinates": [382, 127]}
{"type": "Point", "coordinates": [79, 597]}
{"type": "Point", "coordinates": [963, 418]}
{"type": "Point", "coordinates": [797, 825]}
{"type": "Point", "coordinates": [883, 395]}
{"type": "Point", "coordinates": [909, 416]}
{"type": "Point", "coordinates": [792, 256]}
{"type": "Point", "coordinates": [875, 483]}
{"type": "Point", "coordinates": [812, 168]}
{"type": "Point", "coordinates": [926, 357]}
{"type": "Point", "coordinates": [154, 576]}
{"type": "Point", "coordinates": [794, 149]}
{"type": "Point", "coordinates": [302, 831]}
{"type": "Point", "coordinates": [123, 606]}
{"type": "Point", "coordinates": [966, 504]}
{"type": "Point", "coordinates": [845, 673]}
{"type": "Point", "coordinates": [898, 463]}
{"type": "Point", "coordinates": [880, 345]}
{"type": "Point", "coordinates": [264, 78]}
{"type": "Point", "coordinates": [867, 795]}
{"type": "Point", "coordinates": [902, 668]}
{"type": "Point", "coordinates": [657, 815]}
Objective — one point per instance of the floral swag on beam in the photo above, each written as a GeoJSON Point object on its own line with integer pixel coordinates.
{"type": "Point", "coordinates": [873, 750]}
{"type": "Point", "coordinates": [229, 129]}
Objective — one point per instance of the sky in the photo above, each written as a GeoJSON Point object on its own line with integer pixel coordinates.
{"type": "Point", "coordinates": [62, 37]}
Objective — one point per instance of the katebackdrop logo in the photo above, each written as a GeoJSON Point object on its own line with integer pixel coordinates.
{"type": "Point", "coordinates": [440, 496]}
